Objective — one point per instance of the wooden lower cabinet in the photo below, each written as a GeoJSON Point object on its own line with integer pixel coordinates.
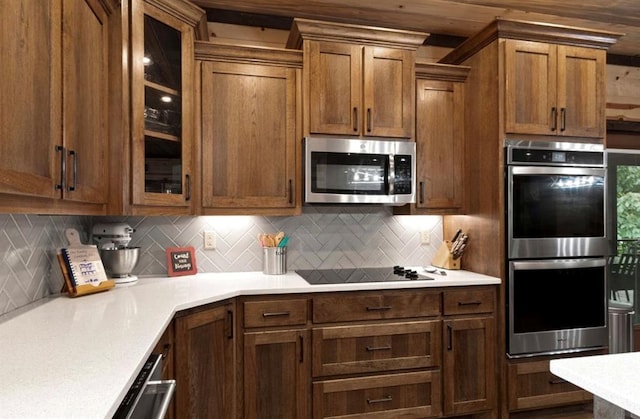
{"type": "Point", "coordinates": [276, 363]}
{"type": "Point", "coordinates": [366, 354]}
{"type": "Point", "coordinates": [469, 365]}
{"type": "Point", "coordinates": [277, 374]}
{"type": "Point", "coordinates": [469, 351]}
{"type": "Point", "coordinates": [205, 363]}
{"type": "Point", "coordinates": [532, 386]}
{"type": "Point", "coordinates": [406, 395]}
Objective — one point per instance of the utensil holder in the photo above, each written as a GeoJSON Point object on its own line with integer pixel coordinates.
{"type": "Point", "coordinates": [274, 261]}
{"type": "Point", "coordinates": [444, 259]}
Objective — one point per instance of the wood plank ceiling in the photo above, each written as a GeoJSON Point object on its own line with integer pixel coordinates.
{"type": "Point", "coordinates": [460, 18]}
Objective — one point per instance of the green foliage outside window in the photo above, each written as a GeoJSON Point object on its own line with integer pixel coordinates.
{"type": "Point", "coordinates": [628, 204]}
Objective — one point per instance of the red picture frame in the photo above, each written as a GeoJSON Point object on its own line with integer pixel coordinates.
{"type": "Point", "coordinates": [181, 261]}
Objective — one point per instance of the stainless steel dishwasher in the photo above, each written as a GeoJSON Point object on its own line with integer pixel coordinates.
{"type": "Point", "coordinates": [149, 396]}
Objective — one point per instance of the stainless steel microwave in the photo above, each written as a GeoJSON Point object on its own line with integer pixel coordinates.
{"type": "Point", "coordinates": [356, 171]}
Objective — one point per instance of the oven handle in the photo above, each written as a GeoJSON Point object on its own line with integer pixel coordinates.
{"type": "Point", "coordinates": [557, 264]}
{"type": "Point", "coordinates": [162, 386]}
{"type": "Point", "coordinates": [556, 170]}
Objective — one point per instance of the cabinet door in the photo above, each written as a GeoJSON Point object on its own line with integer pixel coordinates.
{"type": "Point", "coordinates": [468, 365]}
{"type": "Point", "coordinates": [162, 108]}
{"type": "Point", "coordinates": [277, 375]}
{"type": "Point", "coordinates": [205, 364]}
{"type": "Point", "coordinates": [248, 136]}
{"type": "Point", "coordinates": [30, 80]}
{"type": "Point", "coordinates": [439, 144]}
{"type": "Point", "coordinates": [581, 91]}
{"type": "Point", "coordinates": [530, 88]}
{"type": "Point", "coordinates": [335, 88]}
{"type": "Point", "coordinates": [85, 42]}
{"type": "Point", "coordinates": [388, 92]}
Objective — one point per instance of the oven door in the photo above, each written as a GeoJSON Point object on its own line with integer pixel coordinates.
{"type": "Point", "coordinates": [556, 212]}
{"type": "Point", "coordinates": [556, 306]}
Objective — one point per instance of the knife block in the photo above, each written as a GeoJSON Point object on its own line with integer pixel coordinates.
{"type": "Point", "coordinates": [444, 259]}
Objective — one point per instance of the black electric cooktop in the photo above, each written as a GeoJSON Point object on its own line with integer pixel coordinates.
{"type": "Point", "coordinates": [359, 275]}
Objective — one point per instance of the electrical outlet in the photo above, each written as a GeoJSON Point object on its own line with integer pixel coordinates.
{"type": "Point", "coordinates": [209, 240]}
{"type": "Point", "coordinates": [425, 237]}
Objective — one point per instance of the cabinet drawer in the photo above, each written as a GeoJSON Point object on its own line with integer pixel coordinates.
{"type": "Point", "coordinates": [275, 313]}
{"type": "Point", "coordinates": [469, 301]}
{"type": "Point", "coordinates": [415, 395]}
{"type": "Point", "coordinates": [532, 386]}
{"type": "Point", "coordinates": [375, 306]}
{"type": "Point", "coordinates": [376, 348]}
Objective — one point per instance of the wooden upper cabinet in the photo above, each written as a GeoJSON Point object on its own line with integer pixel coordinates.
{"type": "Point", "coordinates": [554, 89]}
{"type": "Point", "coordinates": [85, 45]}
{"type": "Point", "coordinates": [249, 157]}
{"type": "Point", "coordinates": [388, 92]}
{"type": "Point", "coordinates": [440, 140]}
{"type": "Point", "coordinates": [55, 85]}
{"type": "Point", "coordinates": [163, 103]}
{"type": "Point", "coordinates": [335, 88]}
{"type": "Point", "coordinates": [359, 80]}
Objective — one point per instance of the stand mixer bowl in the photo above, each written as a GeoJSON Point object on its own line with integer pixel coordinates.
{"type": "Point", "coordinates": [120, 262]}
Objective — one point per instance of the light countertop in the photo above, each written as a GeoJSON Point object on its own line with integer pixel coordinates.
{"type": "Point", "coordinates": [614, 378]}
{"type": "Point", "coordinates": [77, 357]}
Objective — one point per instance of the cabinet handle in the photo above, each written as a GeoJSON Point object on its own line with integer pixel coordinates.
{"type": "Point", "coordinates": [554, 117]}
{"type": "Point", "coordinates": [290, 191]}
{"type": "Point", "coordinates": [74, 184]}
{"type": "Point", "coordinates": [450, 340]}
{"type": "Point", "coordinates": [368, 119]}
{"type": "Point", "coordinates": [379, 308]}
{"type": "Point", "coordinates": [165, 350]}
{"type": "Point", "coordinates": [63, 167]}
{"type": "Point", "coordinates": [230, 320]}
{"type": "Point", "coordinates": [469, 303]}
{"type": "Point", "coordinates": [355, 119]}
{"type": "Point", "coordinates": [563, 119]}
{"type": "Point", "coordinates": [188, 182]}
{"type": "Point", "coordinates": [276, 314]}
{"type": "Point", "coordinates": [386, 399]}
{"type": "Point", "coordinates": [557, 381]}
{"type": "Point", "coordinates": [378, 348]}
{"type": "Point", "coordinates": [422, 192]}
{"type": "Point", "coordinates": [301, 340]}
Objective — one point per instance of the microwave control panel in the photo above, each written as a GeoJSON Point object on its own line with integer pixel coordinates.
{"type": "Point", "coordinates": [402, 169]}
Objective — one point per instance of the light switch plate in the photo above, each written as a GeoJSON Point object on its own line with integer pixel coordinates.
{"type": "Point", "coordinates": [425, 237]}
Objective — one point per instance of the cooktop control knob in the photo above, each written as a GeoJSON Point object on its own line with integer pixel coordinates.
{"type": "Point", "coordinates": [411, 274]}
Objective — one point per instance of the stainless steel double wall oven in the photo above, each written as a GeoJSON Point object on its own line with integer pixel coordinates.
{"type": "Point", "coordinates": [556, 247]}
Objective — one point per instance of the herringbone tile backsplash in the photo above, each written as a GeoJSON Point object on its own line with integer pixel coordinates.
{"type": "Point", "coordinates": [322, 237]}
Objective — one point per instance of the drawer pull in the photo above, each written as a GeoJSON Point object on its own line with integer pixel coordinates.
{"type": "Point", "coordinates": [557, 381]}
{"type": "Point", "coordinates": [469, 303]}
{"type": "Point", "coordinates": [276, 314]}
{"type": "Point", "coordinates": [378, 348]}
{"type": "Point", "coordinates": [379, 308]}
{"type": "Point", "coordinates": [386, 399]}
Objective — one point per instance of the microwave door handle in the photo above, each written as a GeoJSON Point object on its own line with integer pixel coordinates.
{"type": "Point", "coordinates": [391, 176]}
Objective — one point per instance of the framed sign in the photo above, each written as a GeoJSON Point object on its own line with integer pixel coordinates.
{"type": "Point", "coordinates": [181, 261]}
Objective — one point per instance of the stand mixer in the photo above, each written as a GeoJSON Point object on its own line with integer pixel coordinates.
{"type": "Point", "coordinates": [118, 258]}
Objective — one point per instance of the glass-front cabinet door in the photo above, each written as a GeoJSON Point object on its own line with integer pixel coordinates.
{"type": "Point", "coordinates": [162, 107]}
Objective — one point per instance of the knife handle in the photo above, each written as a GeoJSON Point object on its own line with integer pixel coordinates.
{"type": "Point", "coordinates": [455, 237]}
